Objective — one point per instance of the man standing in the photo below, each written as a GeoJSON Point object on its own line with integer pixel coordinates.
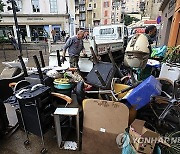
{"type": "Point", "coordinates": [53, 32]}
{"type": "Point", "coordinates": [36, 36]}
{"type": "Point", "coordinates": [75, 45]}
{"type": "Point", "coordinates": [63, 34]}
{"type": "Point", "coordinates": [150, 33]}
{"type": "Point", "coordinates": [23, 34]}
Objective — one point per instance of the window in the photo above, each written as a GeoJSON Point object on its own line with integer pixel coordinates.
{"type": "Point", "coordinates": [94, 15]}
{"type": "Point", "coordinates": [106, 13]}
{"type": "Point", "coordinates": [119, 31]}
{"type": "Point", "coordinates": [94, 5]}
{"type": "Point", "coordinates": [89, 5]}
{"type": "Point", "coordinates": [106, 4]}
{"type": "Point", "coordinates": [19, 4]}
{"type": "Point", "coordinates": [53, 6]}
{"type": "Point", "coordinates": [106, 31]}
{"type": "Point", "coordinates": [35, 5]}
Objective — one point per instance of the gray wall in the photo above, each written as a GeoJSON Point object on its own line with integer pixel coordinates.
{"type": "Point", "coordinates": [167, 15]}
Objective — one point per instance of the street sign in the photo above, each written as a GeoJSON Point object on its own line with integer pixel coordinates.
{"type": "Point", "coordinates": [158, 20]}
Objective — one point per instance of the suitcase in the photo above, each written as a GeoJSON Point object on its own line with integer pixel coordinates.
{"type": "Point", "coordinates": [36, 109]}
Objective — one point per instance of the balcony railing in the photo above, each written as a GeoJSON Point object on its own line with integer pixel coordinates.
{"type": "Point", "coordinates": [89, 8]}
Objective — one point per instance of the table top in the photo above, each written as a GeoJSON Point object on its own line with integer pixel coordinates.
{"type": "Point", "coordinates": [66, 111]}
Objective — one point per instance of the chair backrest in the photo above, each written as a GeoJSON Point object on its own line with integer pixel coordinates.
{"type": "Point", "coordinates": [101, 75]}
{"type": "Point", "coordinates": [42, 59]}
{"type": "Point", "coordinates": [5, 90]}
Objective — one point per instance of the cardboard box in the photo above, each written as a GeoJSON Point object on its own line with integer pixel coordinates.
{"type": "Point", "coordinates": [103, 122]}
{"type": "Point", "coordinates": [141, 95]}
{"type": "Point", "coordinates": [142, 138]}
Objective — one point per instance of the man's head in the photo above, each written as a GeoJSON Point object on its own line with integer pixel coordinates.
{"type": "Point", "coordinates": [80, 34]}
{"type": "Point", "coordinates": [151, 31]}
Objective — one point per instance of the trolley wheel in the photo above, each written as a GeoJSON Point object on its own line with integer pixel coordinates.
{"type": "Point", "coordinates": [44, 150]}
{"type": "Point", "coordinates": [26, 142]}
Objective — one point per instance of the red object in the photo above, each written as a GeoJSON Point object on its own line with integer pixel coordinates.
{"type": "Point", "coordinates": [140, 30]}
{"type": "Point", "coordinates": [150, 22]}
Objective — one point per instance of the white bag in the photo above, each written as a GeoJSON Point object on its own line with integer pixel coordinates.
{"type": "Point", "coordinates": [169, 71]}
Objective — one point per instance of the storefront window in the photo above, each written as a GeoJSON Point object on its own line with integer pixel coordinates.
{"type": "Point", "coordinates": [4, 30]}
{"type": "Point", "coordinates": [35, 6]}
{"type": "Point", "coordinates": [53, 6]}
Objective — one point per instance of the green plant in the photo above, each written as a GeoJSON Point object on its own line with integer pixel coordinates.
{"type": "Point", "coordinates": [128, 19]}
{"type": "Point", "coordinates": [173, 55]}
{"type": "Point", "coordinates": [4, 40]}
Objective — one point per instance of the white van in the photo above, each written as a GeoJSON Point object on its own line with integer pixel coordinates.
{"type": "Point", "coordinates": [113, 36]}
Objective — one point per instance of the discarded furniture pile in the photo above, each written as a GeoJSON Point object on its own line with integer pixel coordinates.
{"type": "Point", "coordinates": [114, 109]}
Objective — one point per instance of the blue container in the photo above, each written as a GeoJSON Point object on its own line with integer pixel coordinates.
{"type": "Point", "coordinates": [62, 85]}
{"type": "Point", "coordinates": [141, 95]}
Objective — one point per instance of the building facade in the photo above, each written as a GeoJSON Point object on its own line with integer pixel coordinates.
{"type": "Point", "coordinates": [82, 13]}
{"type": "Point", "coordinates": [98, 12]}
{"type": "Point", "coordinates": [168, 8]}
{"type": "Point", "coordinates": [93, 14]}
{"type": "Point", "coordinates": [132, 6]}
{"type": "Point", "coordinates": [116, 13]}
{"type": "Point", "coordinates": [40, 15]}
{"type": "Point", "coordinates": [152, 8]}
{"type": "Point", "coordinates": [106, 6]}
{"type": "Point", "coordinates": [77, 14]}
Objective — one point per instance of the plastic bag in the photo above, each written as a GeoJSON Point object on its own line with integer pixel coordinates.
{"type": "Point", "coordinates": [159, 52]}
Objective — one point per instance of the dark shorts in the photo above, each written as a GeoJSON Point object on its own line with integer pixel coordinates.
{"type": "Point", "coordinates": [73, 60]}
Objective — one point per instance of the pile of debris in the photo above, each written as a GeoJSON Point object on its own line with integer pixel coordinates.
{"type": "Point", "coordinates": [117, 110]}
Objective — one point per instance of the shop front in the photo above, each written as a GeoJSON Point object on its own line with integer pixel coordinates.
{"type": "Point", "coordinates": [40, 23]}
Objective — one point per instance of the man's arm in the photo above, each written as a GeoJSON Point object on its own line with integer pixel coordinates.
{"type": "Point", "coordinates": [67, 45]}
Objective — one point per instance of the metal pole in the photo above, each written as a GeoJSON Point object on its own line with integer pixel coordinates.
{"type": "Point", "coordinates": [17, 27]}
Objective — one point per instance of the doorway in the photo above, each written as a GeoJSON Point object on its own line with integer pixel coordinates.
{"type": "Point", "coordinates": [39, 29]}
